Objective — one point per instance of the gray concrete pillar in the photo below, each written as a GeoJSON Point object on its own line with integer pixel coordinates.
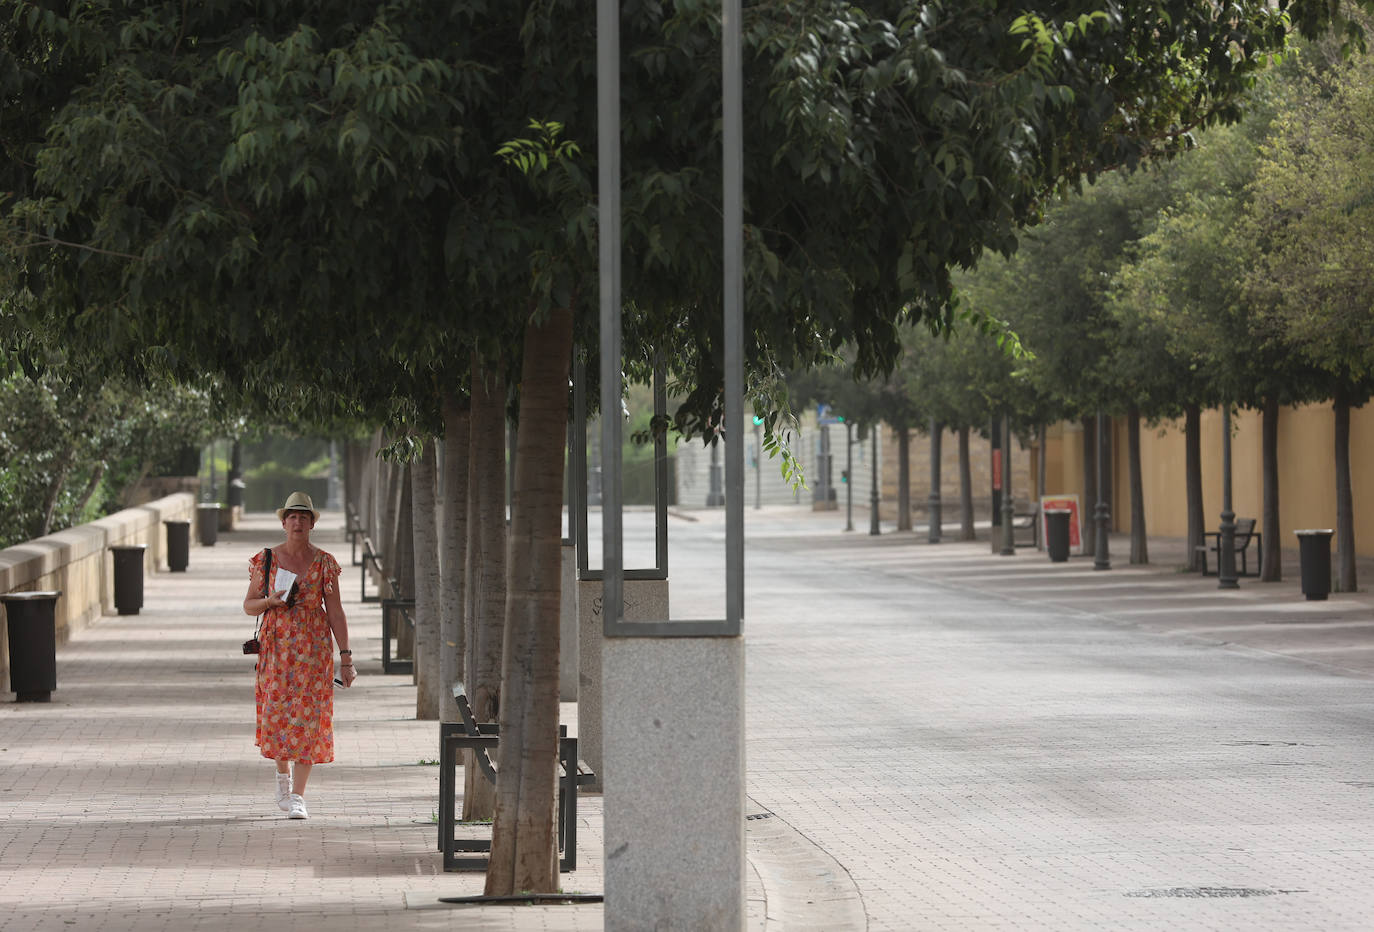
{"type": "Point", "coordinates": [674, 787]}
{"type": "Point", "coordinates": [645, 600]}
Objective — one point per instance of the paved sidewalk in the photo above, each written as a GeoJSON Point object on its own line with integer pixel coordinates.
{"type": "Point", "coordinates": [938, 737]}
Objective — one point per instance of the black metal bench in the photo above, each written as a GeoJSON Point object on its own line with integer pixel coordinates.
{"type": "Point", "coordinates": [1245, 532]}
{"type": "Point", "coordinates": [370, 556]}
{"type": "Point", "coordinates": [396, 612]}
{"type": "Point", "coordinates": [482, 739]}
{"type": "Point", "coordinates": [1027, 521]}
{"type": "Point", "coordinates": [353, 527]}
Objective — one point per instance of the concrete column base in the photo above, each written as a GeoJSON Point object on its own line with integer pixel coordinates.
{"type": "Point", "coordinates": [674, 788]}
{"type": "Point", "coordinates": [645, 600]}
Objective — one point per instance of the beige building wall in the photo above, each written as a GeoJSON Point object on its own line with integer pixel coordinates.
{"type": "Point", "coordinates": [980, 462]}
{"type": "Point", "coordinates": [1307, 474]}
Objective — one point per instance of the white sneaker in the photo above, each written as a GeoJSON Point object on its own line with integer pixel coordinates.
{"type": "Point", "coordinates": [283, 791]}
{"type": "Point", "coordinates": [296, 807]}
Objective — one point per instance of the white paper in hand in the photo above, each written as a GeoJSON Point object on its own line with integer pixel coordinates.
{"type": "Point", "coordinates": [285, 579]}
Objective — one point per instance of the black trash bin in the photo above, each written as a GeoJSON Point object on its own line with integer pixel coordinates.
{"type": "Point", "coordinates": [1057, 533]}
{"type": "Point", "coordinates": [178, 545]}
{"type": "Point", "coordinates": [32, 627]}
{"type": "Point", "coordinates": [207, 523]}
{"type": "Point", "coordinates": [128, 578]}
{"type": "Point", "coordinates": [1314, 556]}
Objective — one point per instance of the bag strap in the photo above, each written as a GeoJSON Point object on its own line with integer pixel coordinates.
{"type": "Point", "coordinates": [266, 572]}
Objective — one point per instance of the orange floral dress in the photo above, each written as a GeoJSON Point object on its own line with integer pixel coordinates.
{"type": "Point", "coordinates": [295, 689]}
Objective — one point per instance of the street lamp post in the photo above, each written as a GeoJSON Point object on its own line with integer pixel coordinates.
{"type": "Point", "coordinates": [848, 476]}
{"type": "Point", "coordinates": [936, 517]}
{"type": "Point", "coordinates": [873, 528]}
{"type": "Point", "coordinates": [1008, 508]}
{"type": "Point", "coordinates": [1226, 540]}
{"type": "Point", "coordinates": [1102, 560]}
{"type": "Point", "coordinates": [758, 468]}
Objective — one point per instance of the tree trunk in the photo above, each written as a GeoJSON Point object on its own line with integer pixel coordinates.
{"type": "Point", "coordinates": [453, 548]}
{"type": "Point", "coordinates": [1090, 468]}
{"type": "Point", "coordinates": [1345, 499]}
{"type": "Point", "coordinates": [1192, 467]}
{"type": "Point", "coordinates": [966, 531]}
{"type": "Point", "coordinates": [523, 849]}
{"type": "Point", "coordinates": [390, 515]}
{"type": "Point", "coordinates": [1140, 548]}
{"type": "Point", "coordinates": [486, 575]}
{"type": "Point", "coordinates": [401, 562]}
{"type": "Point", "coordinates": [426, 584]}
{"type": "Point", "coordinates": [1271, 563]}
{"type": "Point", "coordinates": [92, 484]}
{"type": "Point", "coordinates": [903, 478]}
{"type": "Point", "coordinates": [1044, 464]}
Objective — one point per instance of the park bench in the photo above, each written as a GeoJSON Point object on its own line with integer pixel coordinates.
{"type": "Point", "coordinates": [395, 611]}
{"type": "Point", "coordinates": [372, 557]}
{"type": "Point", "coordinates": [353, 527]}
{"type": "Point", "coordinates": [483, 738]}
{"type": "Point", "coordinates": [1245, 532]}
{"type": "Point", "coordinates": [1026, 521]}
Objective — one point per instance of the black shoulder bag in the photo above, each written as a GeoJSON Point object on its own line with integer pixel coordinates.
{"type": "Point", "coordinates": [251, 646]}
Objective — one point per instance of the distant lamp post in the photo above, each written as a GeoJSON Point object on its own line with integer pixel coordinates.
{"type": "Point", "coordinates": [936, 517]}
{"type": "Point", "coordinates": [758, 465]}
{"type": "Point", "coordinates": [848, 476]}
{"type": "Point", "coordinates": [1226, 539]}
{"type": "Point", "coordinates": [873, 528]}
{"type": "Point", "coordinates": [1102, 560]}
{"type": "Point", "coordinates": [1008, 507]}
{"type": "Point", "coordinates": [715, 497]}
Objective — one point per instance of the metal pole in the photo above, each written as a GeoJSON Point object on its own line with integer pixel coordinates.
{"type": "Point", "coordinates": [609, 246]}
{"type": "Point", "coordinates": [849, 476]}
{"type": "Point", "coordinates": [1008, 508]}
{"type": "Point", "coordinates": [715, 497]}
{"type": "Point", "coordinates": [1103, 559]}
{"type": "Point", "coordinates": [873, 527]}
{"type": "Point", "coordinates": [758, 470]}
{"type": "Point", "coordinates": [936, 517]}
{"type": "Point", "coordinates": [1226, 540]}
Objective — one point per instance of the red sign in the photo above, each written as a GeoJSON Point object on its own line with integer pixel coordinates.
{"type": "Point", "coordinates": [997, 469]}
{"type": "Point", "coordinates": [1067, 503]}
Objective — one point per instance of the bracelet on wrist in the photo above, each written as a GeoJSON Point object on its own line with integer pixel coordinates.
{"type": "Point", "coordinates": [345, 651]}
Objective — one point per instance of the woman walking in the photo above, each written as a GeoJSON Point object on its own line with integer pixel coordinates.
{"type": "Point", "coordinates": [294, 586]}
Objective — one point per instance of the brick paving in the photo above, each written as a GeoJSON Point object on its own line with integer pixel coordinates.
{"type": "Point", "coordinates": [938, 738]}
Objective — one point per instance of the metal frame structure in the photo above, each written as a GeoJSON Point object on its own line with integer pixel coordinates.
{"type": "Point", "coordinates": [609, 242]}
{"type": "Point", "coordinates": [577, 455]}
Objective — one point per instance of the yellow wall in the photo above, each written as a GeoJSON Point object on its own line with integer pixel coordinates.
{"type": "Point", "coordinates": [1307, 475]}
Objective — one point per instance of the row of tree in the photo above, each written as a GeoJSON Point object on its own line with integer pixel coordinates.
{"type": "Point", "coordinates": [1236, 275]}
{"type": "Point", "coordinates": [381, 212]}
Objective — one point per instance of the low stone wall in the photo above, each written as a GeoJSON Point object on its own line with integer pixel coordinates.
{"type": "Point", "coordinates": [77, 561]}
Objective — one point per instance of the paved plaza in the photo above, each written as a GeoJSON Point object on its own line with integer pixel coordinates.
{"type": "Point", "coordinates": [938, 738]}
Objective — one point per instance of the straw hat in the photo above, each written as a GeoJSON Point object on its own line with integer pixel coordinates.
{"type": "Point", "coordinates": [298, 501]}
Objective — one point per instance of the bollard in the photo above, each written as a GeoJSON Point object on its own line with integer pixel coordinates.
{"type": "Point", "coordinates": [1314, 557]}
{"type": "Point", "coordinates": [128, 578]}
{"type": "Point", "coordinates": [31, 620]}
{"type": "Point", "coordinates": [178, 545]}
{"type": "Point", "coordinates": [207, 523]}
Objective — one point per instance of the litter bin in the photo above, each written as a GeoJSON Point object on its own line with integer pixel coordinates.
{"type": "Point", "coordinates": [1314, 556]}
{"type": "Point", "coordinates": [128, 578]}
{"type": "Point", "coordinates": [1057, 534]}
{"type": "Point", "coordinates": [178, 545]}
{"type": "Point", "coordinates": [207, 523]}
{"type": "Point", "coordinates": [33, 644]}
